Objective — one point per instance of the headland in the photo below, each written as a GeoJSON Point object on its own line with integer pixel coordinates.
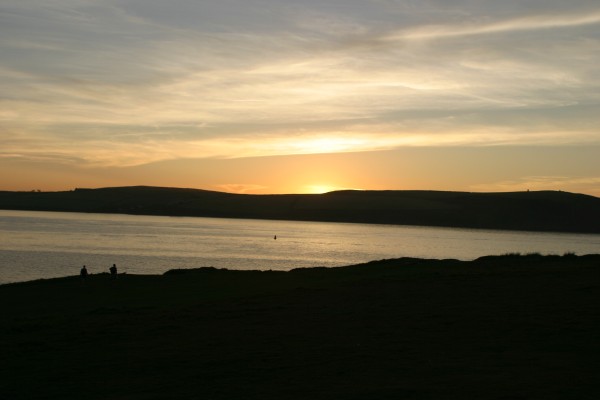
{"type": "Point", "coordinates": [532, 211]}
{"type": "Point", "coordinates": [494, 328]}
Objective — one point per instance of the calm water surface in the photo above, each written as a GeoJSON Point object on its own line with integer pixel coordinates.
{"type": "Point", "coordinates": [36, 245]}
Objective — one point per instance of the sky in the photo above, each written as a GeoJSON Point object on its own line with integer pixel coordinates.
{"type": "Point", "coordinates": [287, 96]}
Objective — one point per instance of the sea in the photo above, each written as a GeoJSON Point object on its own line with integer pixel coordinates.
{"type": "Point", "coordinates": [42, 245]}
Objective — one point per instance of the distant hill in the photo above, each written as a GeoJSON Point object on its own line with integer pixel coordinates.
{"type": "Point", "coordinates": [535, 211]}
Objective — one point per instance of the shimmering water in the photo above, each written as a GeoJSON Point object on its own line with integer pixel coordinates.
{"type": "Point", "coordinates": [36, 245]}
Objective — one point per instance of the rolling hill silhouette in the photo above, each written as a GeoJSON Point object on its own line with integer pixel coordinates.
{"type": "Point", "coordinates": [535, 211]}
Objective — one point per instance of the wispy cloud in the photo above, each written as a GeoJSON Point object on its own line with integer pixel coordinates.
{"type": "Point", "coordinates": [240, 188]}
{"type": "Point", "coordinates": [483, 26]}
{"type": "Point", "coordinates": [126, 84]}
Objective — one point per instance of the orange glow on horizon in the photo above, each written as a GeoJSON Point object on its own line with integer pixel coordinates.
{"type": "Point", "coordinates": [318, 189]}
{"type": "Point", "coordinates": [322, 188]}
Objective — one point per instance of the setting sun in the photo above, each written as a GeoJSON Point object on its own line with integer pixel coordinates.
{"type": "Point", "coordinates": [318, 189]}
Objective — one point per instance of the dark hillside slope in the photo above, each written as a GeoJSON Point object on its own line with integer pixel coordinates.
{"type": "Point", "coordinates": [537, 211]}
{"type": "Point", "coordinates": [497, 328]}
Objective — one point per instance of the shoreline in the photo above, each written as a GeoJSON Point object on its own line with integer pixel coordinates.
{"type": "Point", "coordinates": [448, 262]}
{"type": "Point", "coordinates": [454, 227]}
{"type": "Point", "coordinates": [541, 211]}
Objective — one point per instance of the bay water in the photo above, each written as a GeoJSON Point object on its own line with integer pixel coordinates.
{"type": "Point", "coordinates": [41, 245]}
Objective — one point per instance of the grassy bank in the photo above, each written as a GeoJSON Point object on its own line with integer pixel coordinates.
{"type": "Point", "coordinates": [496, 328]}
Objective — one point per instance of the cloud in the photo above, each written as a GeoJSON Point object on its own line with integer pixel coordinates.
{"type": "Point", "coordinates": [471, 28]}
{"type": "Point", "coordinates": [240, 188]}
{"type": "Point", "coordinates": [129, 83]}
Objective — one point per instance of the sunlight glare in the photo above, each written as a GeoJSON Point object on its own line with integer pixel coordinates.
{"type": "Point", "coordinates": [320, 189]}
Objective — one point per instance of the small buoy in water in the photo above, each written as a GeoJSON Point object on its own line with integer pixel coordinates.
{"type": "Point", "coordinates": [275, 237]}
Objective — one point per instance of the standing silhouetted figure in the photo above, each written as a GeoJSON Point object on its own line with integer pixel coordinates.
{"type": "Point", "coordinates": [83, 273]}
{"type": "Point", "coordinates": [113, 271]}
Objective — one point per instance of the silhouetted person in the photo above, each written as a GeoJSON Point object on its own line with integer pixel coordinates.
{"type": "Point", "coordinates": [113, 271]}
{"type": "Point", "coordinates": [83, 273]}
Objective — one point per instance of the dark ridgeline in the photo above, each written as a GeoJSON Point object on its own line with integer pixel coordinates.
{"type": "Point", "coordinates": [537, 211]}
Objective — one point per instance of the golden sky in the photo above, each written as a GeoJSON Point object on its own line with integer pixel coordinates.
{"type": "Point", "coordinates": [281, 96]}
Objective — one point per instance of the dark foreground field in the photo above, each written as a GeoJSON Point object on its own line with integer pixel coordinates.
{"type": "Point", "coordinates": [507, 327]}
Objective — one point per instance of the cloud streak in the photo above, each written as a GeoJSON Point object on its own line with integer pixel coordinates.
{"type": "Point", "coordinates": [530, 23]}
{"type": "Point", "coordinates": [130, 83]}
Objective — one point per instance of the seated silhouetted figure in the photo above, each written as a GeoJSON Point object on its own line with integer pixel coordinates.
{"type": "Point", "coordinates": [83, 273]}
{"type": "Point", "coordinates": [113, 271]}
